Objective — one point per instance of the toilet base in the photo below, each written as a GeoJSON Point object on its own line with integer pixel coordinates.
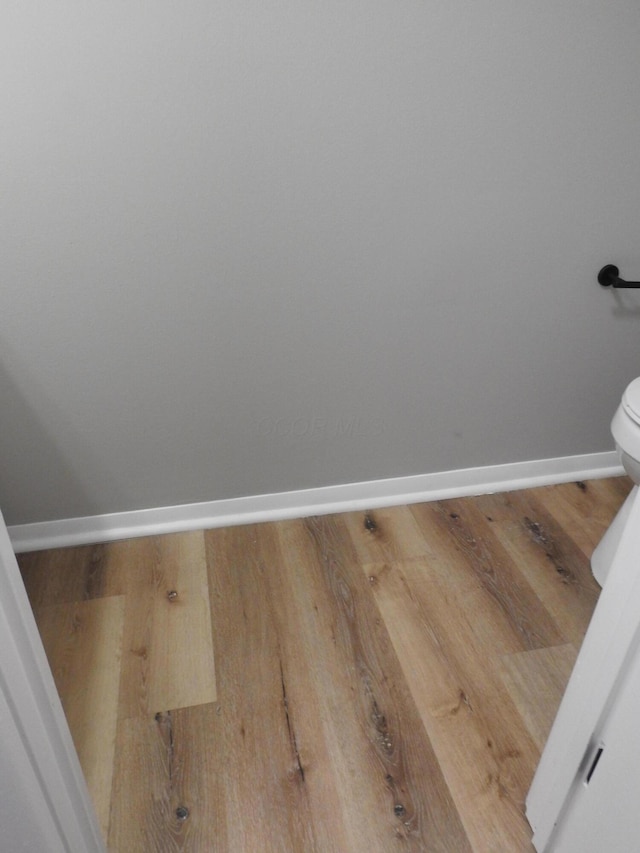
{"type": "Point", "coordinates": [602, 557]}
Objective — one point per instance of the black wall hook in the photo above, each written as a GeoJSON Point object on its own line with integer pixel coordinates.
{"type": "Point", "coordinates": [609, 276]}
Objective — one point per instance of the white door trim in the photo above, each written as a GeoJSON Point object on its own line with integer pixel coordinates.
{"type": "Point", "coordinates": [43, 769]}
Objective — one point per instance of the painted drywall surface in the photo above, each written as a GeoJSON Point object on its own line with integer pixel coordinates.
{"type": "Point", "coordinates": [251, 247]}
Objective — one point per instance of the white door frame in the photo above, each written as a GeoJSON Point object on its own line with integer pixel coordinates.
{"type": "Point", "coordinates": [44, 801]}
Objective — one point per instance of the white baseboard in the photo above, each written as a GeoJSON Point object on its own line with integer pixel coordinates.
{"type": "Point", "coordinates": [306, 502]}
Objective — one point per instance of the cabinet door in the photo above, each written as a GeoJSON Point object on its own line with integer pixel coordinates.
{"type": "Point", "coordinates": [604, 812]}
{"type": "Point", "coordinates": [44, 803]}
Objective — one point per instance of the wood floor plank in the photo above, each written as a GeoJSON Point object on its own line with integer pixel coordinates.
{"type": "Point", "coordinates": [556, 569]}
{"type": "Point", "coordinates": [584, 508]}
{"type": "Point", "coordinates": [63, 574]}
{"type": "Point", "coordinates": [536, 681]}
{"type": "Point", "coordinates": [181, 659]}
{"type": "Point", "coordinates": [617, 487]}
{"type": "Point", "coordinates": [133, 575]}
{"type": "Point", "coordinates": [266, 788]}
{"type": "Point", "coordinates": [385, 535]}
{"type": "Point", "coordinates": [168, 660]}
{"type": "Point", "coordinates": [387, 775]}
{"type": "Point", "coordinates": [485, 752]}
{"type": "Point", "coordinates": [481, 566]}
{"type": "Point", "coordinates": [168, 787]}
{"type": "Point", "coordinates": [83, 642]}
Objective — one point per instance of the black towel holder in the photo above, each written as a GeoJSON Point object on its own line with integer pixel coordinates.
{"type": "Point", "coordinates": [609, 276]}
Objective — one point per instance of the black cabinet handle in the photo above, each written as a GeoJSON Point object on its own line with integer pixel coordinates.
{"type": "Point", "coordinates": [609, 276]}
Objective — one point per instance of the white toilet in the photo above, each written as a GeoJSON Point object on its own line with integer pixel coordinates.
{"type": "Point", "coordinates": [625, 428]}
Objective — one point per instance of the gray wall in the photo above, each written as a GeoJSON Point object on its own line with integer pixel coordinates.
{"type": "Point", "coordinates": [257, 246]}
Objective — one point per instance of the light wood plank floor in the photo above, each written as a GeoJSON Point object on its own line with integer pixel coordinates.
{"type": "Point", "coordinates": [364, 682]}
